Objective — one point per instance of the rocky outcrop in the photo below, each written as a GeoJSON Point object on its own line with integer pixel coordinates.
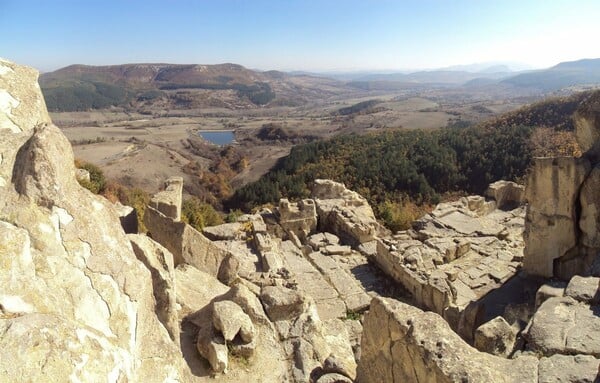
{"type": "Point", "coordinates": [401, 343]}
{"type": "Point", "coordinates": [76, 303]}
{"type": "Point", "coordinates": [345, 213]}
{"type": "Point", "coordinates": [508, 195]}
{"type": "Point", "coordinates": [569, 324]}
{"type": "Point", "coordinates": [454, 258]}
{"type": "Point", "coordinates": [298, 218]}
{"type": "Point", "coordinates": [561, 231]}
{"type": "Point", "coordinates": [185, 243]}
{"type": "Point", "coordinates": [551, 222]}
{"type": "Point", "coordinates": [159, 261]}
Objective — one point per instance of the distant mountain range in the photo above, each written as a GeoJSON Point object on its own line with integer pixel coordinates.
{"type": "Point", "coordinates": [565, 74]}
{"type": "Point", "coordinates": [82, 87]}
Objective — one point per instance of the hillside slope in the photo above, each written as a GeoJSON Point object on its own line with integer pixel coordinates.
{"type": "Point", "coordinates": [83, 87]}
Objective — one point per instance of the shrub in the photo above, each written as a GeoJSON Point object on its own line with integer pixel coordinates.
{"type": "Point", "coordinates": [199, 214]}
{"type": "Point", "coordinates": [97, 182]}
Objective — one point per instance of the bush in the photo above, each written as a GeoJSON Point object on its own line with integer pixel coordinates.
{"type": "Point", "coordinates": [199, 214]}
{"type": "Point", "coordinates": [97, 182]}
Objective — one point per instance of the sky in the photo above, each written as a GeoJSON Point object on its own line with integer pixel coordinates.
{"type": "Point", "coordinates": [312, 35]}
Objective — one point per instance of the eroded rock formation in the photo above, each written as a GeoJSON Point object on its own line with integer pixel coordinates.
{"type": "Point", "coordinates": [561, 230]}
{"type": "Point", "coordinates": [76, 303]}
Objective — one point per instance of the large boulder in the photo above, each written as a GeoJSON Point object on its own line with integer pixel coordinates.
{"type": "Point", "coordinates": [496, 337]}
{"type": "Point", "coordinates": [508, 195]}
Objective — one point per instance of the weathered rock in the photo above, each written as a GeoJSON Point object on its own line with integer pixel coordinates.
{"type": "Point", "coordinates": [495, 337]}
{"type": "Point", "coordinates": [22, 105]}
{"type": "Point", "coordinates": [168, 201]}
{"type": "Point", "coordinates": [555, 289]}
{"type": "Point", "coordinates": [82, 175]}
{"type": "Point", "coordinates": [345, 213]}
{"type": "Point", "coordinates": [571, 369]}
{"type": "Point", "coordinates": [565, 326]}
{"type": "Point", "coordinates": [160, 263]}
{"type": "Point", "coordinates": [550, 224]}
{"type": "Point", "coordinates": [281, 303]}
{"type": "Point", "coordinates": [584, 289]}
{"type": "Point", "coordinates": [508, 195]}
{"type": "Point", "coordinates": [76, 302]}
{"type": "Point", "coordinates": [404, 344]}
{"type": "Point", "coordinates": [212, 347]}
{"type": "Point", "coordinates": [185, 243]}
{"type": "Point", "coordinates": [589, 221]}
{"type": "Point", "coordinates": [224, 232]}
{"type": "Point", "coordinates": [298, 218]}
{"type": "Point", "coordinates": [230, 319]}
{"type": "Point", "coordinates": [333, 378]}
{"type": "Point", "coordinates": [195, 289]}
{"type": "Point", "coordinates": [332, 365]}
{"type": "Point", "coordinates": [128, 217]}
{"type": "Point", "coordinates": [229, 269]}
{"type": "Point", "coordinates": [340, 358]}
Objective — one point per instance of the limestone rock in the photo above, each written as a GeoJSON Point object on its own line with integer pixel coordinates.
{"type": "Point", "coordinates": [160, 263]}
{"type": "Point", "coordinates": [550, 224]}
{"type": "Point", "coordinates": [404, 344]}
{"type": "Point", "coordinates": [333, 378]}
{"type": "Point", "coordinates": [195, 289]}
{"type": "Point", "coordinates": [185, 243]}
{"type": "Point", "coordinates": [568, 368]}
{"type": "Point", "coordinates": [224, 232]}
{"type": "Point", "coordinates": [589, 221]}
{"type": "Point", "coordinates": [281, 303]}
{"type": "Point", "coordinates": [332, 365]}
{"type": "Point", "coordinates": [168, 201]}
{"type": "Point", "coordinates": [212, 347]}
{"type": "Point", "coordinates": [345, 213]}
{"type": "Point", "coordinates": [77, 304]}
{"type": "Point", "coordinates": [508, 195]}
{"type": "Point", "coordinates": [298, 218]}
{"type": "Point", "coordinates": [230, 319]}
{"type": "Point", "coordinates": [128, 217]}
{"type": "Point", "coordinates": [82, 175]}
{"type": "Point", "coordinates": [495, 337]}
{"type": "Point", "coordinates": [565, 326]}
{"type": "Point", "coordinates": [554, 289]}
{"type": "Point", "coordinates": [584, 289]}
{"type": "Point", "coordinates": [22, 105]}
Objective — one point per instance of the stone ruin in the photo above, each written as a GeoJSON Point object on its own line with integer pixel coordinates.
{"type": "Point", "coordinates": [310, 291]}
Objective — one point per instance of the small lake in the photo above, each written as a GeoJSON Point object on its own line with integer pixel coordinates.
{"type": "Point", "coordinates": [218, 137]}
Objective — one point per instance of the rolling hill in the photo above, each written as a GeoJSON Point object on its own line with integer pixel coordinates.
{"type": "Point", "coordinates": [83, 87]}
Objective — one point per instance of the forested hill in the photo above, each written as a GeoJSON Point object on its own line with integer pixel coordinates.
{"type": "Point", "coordinates": [397, 168]}
{"type": "Point", "coordinates": [402, 169]}
{"type": "Point", "coordinates": [552, 113]}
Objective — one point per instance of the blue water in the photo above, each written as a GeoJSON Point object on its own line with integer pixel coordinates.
{"type": "Point", "coordinates": [218, 137]}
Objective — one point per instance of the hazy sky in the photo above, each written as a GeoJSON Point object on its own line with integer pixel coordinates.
{"type": "Point", "coordinates": [299, 35]}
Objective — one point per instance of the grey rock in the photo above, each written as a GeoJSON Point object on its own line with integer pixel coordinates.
{"type": "Point", "coordinates": [496, 337]}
